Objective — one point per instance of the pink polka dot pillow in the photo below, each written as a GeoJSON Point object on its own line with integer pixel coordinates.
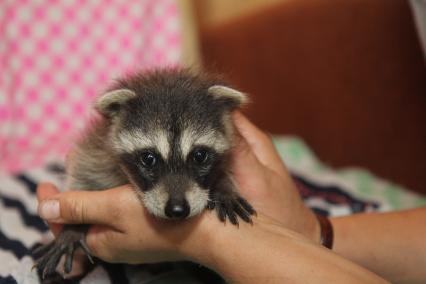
{"type": "Point", "coordinates": [55, 56]}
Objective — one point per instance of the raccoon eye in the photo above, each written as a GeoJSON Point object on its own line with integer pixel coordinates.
{"type": "Point", "coordinates": [200, 156]}
{"type": "Point", "coordinates": [149, 160]}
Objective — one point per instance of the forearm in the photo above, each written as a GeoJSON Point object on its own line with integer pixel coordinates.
{"type": "Point", "coordinates": [268, 253]}
{"type": "Point", "coordinates": [389, 244]}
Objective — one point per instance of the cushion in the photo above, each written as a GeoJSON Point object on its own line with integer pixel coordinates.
{"type": "Point", "coordinates": [56, 56]}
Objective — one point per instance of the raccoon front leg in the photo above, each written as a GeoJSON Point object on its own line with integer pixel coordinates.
{"type": "Point", "coordinates": [228, 203]}
{"type": "Point", "coordinates": [70, 238]}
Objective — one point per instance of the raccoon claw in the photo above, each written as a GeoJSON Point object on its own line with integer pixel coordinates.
{"type": "Point", "coordinates": [232, 208]}
{"type": "Point", "coordinates": [51, 254]}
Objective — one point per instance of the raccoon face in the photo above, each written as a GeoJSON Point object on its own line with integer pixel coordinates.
{"type": "Point", "coordinates": [172, 142]}
{"type": "Point", "coordinates": [175, 187]}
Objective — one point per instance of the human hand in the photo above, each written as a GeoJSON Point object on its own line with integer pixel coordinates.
{"type": "Point", "coordinates": [123, 230]}
{"type": "Point", "coordinates": [266, 183]}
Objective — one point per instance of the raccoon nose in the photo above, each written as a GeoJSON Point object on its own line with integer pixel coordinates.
{"type": "Point", "coordinates": [177, 209]}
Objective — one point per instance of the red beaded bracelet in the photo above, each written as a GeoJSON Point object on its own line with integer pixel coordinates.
{"type": "Point", "coordinates": [326, 231]}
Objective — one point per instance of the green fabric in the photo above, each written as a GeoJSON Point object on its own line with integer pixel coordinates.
{"type": "Point", "coordinates": [300, 159]}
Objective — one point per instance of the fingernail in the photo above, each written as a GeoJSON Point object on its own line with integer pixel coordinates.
{"type": "Point", "coordinates": [49, 209]}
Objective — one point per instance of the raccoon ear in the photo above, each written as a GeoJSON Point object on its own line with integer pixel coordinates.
{"type": "Point", "coordinates": [109, 103]}
{"type": "Point", "coordinates": [237, 98]}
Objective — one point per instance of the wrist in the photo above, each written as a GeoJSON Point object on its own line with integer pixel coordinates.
{"type": "Point", "coordinates": [215, 244]}
{"type": "Point", "coordinates": [200, 245]}
{"type": "Point", "coordinates": [229, 249]}
{"type": "Point", "coordinates": [310, 226]}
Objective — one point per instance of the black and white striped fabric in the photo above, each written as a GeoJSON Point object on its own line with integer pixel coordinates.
{"type": "Point", "coordinates": [21, 230]}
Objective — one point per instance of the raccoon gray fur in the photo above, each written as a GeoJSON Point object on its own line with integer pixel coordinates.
{"type": "Point", "coordinates": [168, 133]}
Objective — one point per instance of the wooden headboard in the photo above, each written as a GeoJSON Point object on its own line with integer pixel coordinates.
{"type": "Point", "coordinates": [347, 76]}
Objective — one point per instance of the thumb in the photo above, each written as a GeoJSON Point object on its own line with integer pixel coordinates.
{"type": "Point", "coordinates": [260, 143]}
{"type": "Point", "coordinates": [44, 191]}
{"type": "Point", "coordinates": [87, 207]}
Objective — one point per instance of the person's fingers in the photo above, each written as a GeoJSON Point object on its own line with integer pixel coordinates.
{"type": "Point", "coordinates": [46, 190]}
{"type": "Point", "coordinates": [259, 141]}
{"type": "Point", "coordinates": [87, 207]}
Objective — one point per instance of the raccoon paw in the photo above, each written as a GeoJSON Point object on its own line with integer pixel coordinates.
{"type": "Point", "coordinates": [65, 245]}
{"type": "Point", "coordinates": [232, 207]}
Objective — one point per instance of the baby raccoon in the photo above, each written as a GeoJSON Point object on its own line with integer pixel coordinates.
{"type": "Point", "coordinates": [168, 133]}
